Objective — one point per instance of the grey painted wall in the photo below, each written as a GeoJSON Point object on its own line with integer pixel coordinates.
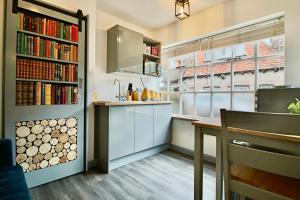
{"type": "Point", "coordinates": [1, 57]}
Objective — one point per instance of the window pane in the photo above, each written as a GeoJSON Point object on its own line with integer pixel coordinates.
{"type": "Point", "coordinates": [271, 72]}
{"type": "Point", "coordinates": [175, 98]}
{"type": "Point", "coordinates": [244, 75]}
{"type": "Point", "coordinates": [203, 57]}
{"type": "Point", "coordinates": [222, 77]}
{"type": "Point", "coordinates": [271, 46]}
{"type": "Point", "coordinates": [243, 101]}
{"type": "Point", "coordinates": [203, 104]}
{"type": "Point", "coordinates": [188, 79]}
{"type": "Point", "coordinates": [163, 82]}
{"type": "Point", "coordinates": [188, 60]}
{"type": "Point", "coordinates": [203, 81]}
{"type": "Point", "coordinates": [188, 104]}
{"type": "Point", "coordinates": [220, 100]}
{"type": "Point", "coordinates": [174, 76]}
{"type": "Point", "coordinates": [243, 50]}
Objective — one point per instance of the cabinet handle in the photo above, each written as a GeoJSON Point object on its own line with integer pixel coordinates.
{"type": "Point", "coordinates": [80, 82]}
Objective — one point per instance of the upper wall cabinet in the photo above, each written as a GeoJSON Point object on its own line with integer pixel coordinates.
{"type": "Point", "coordinates": [129, 51]}
{"type": "Point", "coordinates": [124, 50]}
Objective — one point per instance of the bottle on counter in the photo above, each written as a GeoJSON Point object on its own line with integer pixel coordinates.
{"type": "Point", "coordinates": [129, 92]}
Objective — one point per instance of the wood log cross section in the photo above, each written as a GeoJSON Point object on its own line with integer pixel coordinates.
{"type": "Point", "coordinates": [45, 143]}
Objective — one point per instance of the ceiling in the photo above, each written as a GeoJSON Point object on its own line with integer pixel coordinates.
{"type": "Point", "coordinates": [150, 14]}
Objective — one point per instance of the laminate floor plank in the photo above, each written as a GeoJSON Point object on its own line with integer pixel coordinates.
{"type": "Point", "coordinates": [165, 176]}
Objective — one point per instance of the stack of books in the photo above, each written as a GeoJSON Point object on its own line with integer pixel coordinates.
{"type": "Point", "coordinates": [50, 27]}
{"type": "Point", "coordinates": [43, 70]}
{"type": "Point", "coordinates": [38, 93]}
{"type": "Point", "coordinates": [36, 46]}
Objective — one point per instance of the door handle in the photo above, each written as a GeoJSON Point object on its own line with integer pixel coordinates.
{"type": "Point", "coordinates": [80, 80]}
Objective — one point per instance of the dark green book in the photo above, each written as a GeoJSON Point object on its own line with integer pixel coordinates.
{"type": "Point", "coordinates": [25, 44]}
{"type": "Point", "coordinates": [22, 35]}
{"type": "Point", "coordinates": [19, 43]}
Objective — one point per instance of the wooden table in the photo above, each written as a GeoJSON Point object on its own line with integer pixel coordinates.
{"type": "Point", "coordinates": [208, 126]}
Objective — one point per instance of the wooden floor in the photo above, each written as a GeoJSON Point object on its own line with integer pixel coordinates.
{"type": "Point", "coordinates": [165, 176]}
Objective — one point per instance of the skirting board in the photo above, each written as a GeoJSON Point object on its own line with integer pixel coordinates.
{"type": "Point", "coordinates": [207, 158]}
{"type": "Point", "coordinates": [113, 164]}
{"type": "Point", "coordinates": [146, 153]}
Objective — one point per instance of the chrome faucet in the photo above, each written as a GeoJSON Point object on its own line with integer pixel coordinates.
{"type": "Point", "coordinates": [119, 95]}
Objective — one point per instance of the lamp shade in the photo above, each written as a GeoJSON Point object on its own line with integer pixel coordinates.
{"type": "Point", "coordinates": [182, 9]}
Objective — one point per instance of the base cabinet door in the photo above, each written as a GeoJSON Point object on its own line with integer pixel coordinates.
{"type": "Point", "coordinates": [162, 124]}
{"type": "Point", "coordinates": [144, 120]}
{"type": "Point", "coordinates": [121, 131]}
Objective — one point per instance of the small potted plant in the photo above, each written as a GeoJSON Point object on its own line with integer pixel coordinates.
{"type": "Point", "coordinates": [294, 107]}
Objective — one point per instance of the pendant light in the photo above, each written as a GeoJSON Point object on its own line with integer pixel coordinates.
{"type": "Point", "coordinates": [182, 9]}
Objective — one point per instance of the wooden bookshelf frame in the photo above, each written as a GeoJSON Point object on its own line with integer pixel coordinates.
{"type": "Point", "coordinates": [13, 113]}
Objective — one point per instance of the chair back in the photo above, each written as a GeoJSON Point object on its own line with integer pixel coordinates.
{"type": "Point", "coordinates": [261, 145]}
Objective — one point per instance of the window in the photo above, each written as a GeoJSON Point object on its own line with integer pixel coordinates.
{"type": "Point", "coordinates": [224, 70]}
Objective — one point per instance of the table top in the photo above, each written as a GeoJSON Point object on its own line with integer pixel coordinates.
{"type": "Point", "coordinates": [213, 123]}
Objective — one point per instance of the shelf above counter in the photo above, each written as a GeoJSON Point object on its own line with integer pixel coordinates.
{"type": "Point", "coordinates": [128, 103]}
{"type": "Point", "coordinates": [146, 55]}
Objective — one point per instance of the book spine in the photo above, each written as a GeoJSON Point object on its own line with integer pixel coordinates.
{"type": "Point", "coordinates": [74, 96]}
{"type": "Point", "coordinates": [69, 97]}
{"type": "Point", "coordinates": [38, 92]}
{"type": "Point", "coordinates": [24, 93]}
{"type": "Point", "coordinates": [30, 88]}
{"type": "Point", "coordinates": [58, 94]}
{"type": "Point", "coordinates": [19, 93]}
{"type": "Point", "coordinates": [47, 94]}
{"type": "Point", "coordinates": [53, 93]}
{"type": "Point", "coordinates": [43, 94]}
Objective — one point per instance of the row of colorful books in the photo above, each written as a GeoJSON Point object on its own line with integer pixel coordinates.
{"type": "Point", "coordinates": [36, 46]}
{"type": "Point", "coordinates": [43, 70]}
{"type": "Point", "coordinates": [45, 26]}
{"type": "Point", "coordinates": [39, 93]}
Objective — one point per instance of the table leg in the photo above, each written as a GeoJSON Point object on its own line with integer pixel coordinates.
{"type": "Point", "coordinates": [219, 174]}
{"type": "Point", "coordinates": [198, 163]}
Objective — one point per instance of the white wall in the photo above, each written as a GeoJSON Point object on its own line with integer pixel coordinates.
{"type": "Point", "coordinates": [234, 12]}
{"type": "Point", "coordinates": [183, 135]}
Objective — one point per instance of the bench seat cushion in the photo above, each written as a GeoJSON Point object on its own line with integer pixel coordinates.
{"type": "Point", "coordinates": [12, 184]}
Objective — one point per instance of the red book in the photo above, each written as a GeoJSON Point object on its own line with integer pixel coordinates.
{"type": "Point", "coordinates": [18, 68]}
{"type": "Point", "coordinates": [47, 27]}
{"type": "Point", "coordinates": [70, 73]}
{"type": "Point", "coordinates": [76, 31]}
{"type": "Point", "coordinates": [29, 23]}
{"type": "Point", "coordinates": [53, 94]}
{"type": "Point", "coordinates": [53, 28]}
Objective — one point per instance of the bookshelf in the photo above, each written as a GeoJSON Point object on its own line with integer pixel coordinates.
{"type": "Point", "coordinates": [47, 60]}
{"type": "Point", "coordinates": [45, 89]}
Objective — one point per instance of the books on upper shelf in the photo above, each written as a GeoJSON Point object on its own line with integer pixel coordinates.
{"type": "Point", "coordinates": [43, 70]}
{"type": "Point", "coordinates": [39, 93]}
{"type": "Point", "coordinates": [40, 47]}
{"type": "Point", "coordinates": [46, 26]}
